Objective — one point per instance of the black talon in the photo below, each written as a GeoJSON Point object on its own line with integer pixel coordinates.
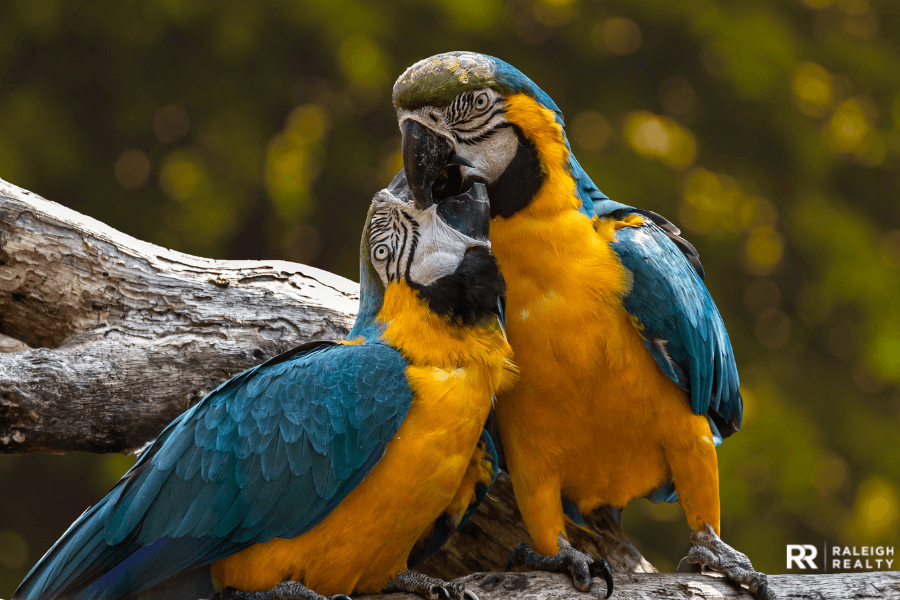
{"type": "Point", "coordinates": [761, 591]}
{"type": "Point", "coordinates": [442, 593]}
{"type": "Point", "coordinates": [456, 159]}
{"type": "Point", "coordinates": [601, 567]}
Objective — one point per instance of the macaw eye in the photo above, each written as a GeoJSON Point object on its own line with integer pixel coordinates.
{"type": "Point", "coordinates": [381, 252]}
{"type": "Point", "coordinates": [481, 101]}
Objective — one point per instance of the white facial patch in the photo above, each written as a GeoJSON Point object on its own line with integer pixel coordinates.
{"type": "Point", "coordinates": [490, 157]}
{"type": "Point", "coordinates": [407, 242]}
{"type": "Point", "coordinates": [440, 248]}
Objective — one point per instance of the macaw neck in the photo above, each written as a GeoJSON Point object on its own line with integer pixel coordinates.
{"type": "Point", "coordinates": [537, 180]}
{"type": "Point", "coordinates": [548, 248]}
{"type": "Point", "coordinates": [520, 182]}
{"type": "Point", "coordinates": [371, 299]}
{"type": "Point", "coordinates": [426, 338]}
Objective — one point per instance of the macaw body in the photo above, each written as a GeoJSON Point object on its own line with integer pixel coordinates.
{"type": "Point", "coordinates": [628, 379]}
{"type": "Point", "coordinates": [327, 465]}
{"type": "Point", "coordinates": [418, 478]}
{"type": "Point", "coordinates": [613, 407]}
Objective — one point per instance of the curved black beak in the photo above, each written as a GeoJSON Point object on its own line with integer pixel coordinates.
{"type": "Point", "coordinates": [425, 154]}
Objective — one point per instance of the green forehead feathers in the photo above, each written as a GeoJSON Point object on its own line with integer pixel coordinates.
{"type": "Point", "coordinates": [442, 77]}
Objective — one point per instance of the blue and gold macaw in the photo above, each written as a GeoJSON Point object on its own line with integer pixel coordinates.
{"type": "Point", "coordinates": [332, 467]}
{"type": "Point", "coordinates": [628, 380]}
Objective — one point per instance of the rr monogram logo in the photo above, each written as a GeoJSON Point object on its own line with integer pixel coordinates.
{"type": "Point", "coordinates": [797, 554]}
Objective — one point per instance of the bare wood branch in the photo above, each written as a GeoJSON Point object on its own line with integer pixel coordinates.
{"type": "Point", "coordinates": [653, 586]}
{"type": "Point", "coordinates": [106, 338]}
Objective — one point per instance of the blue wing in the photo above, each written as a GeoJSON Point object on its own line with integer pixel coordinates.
{"type": "Point", "coordinates": [683, 329]}
{"type": "Point", "coordinates": [269, 453]}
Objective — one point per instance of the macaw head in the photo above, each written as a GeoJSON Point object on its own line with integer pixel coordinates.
{"type": "Point", "coordinates": [468, 117]}
{"type": "Point", "coordinates": [419, 247]}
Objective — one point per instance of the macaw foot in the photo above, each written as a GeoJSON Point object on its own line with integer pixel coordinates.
{"type": "Point", "coordinates": [580, 565]}
{"type": "Point", "coordinates": [709, 550]}
{"type": "Point", "coordinates": [428, 587]}
{"type": "Point", "coordinates": [287, 590]}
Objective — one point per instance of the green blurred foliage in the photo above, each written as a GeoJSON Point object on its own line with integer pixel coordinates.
{"type": "Point", "coordinates": [769, 130]}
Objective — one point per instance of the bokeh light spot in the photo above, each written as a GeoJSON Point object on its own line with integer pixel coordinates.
{"type": "Point", "coordinates": [132, 169]}
{"type": "Point", "coordinates": [877, 511]}
{"type": "Point", "coordinates": [813, 90]}
{"type": "Point", "coordinates": [13, 550]}
{"type": "Point", "coordinates": [763, 250]}
{"type": "Point", "coordinates": [653, 136]}
{"type": "Point", "coordinates": [677, 97]}
{"type": "Point", "coordinates": [617, 35]}
{"type": "Point", "coordinates": [307, 123]}
{"type": "Point", "coordinates": [591, 130]}
{"type": "Point", "coordinates": [362, 61]}
{"type": "Point", "coordinates": [846, 130]}
{"type": "Point", "coordinates": [180, 176]}
{"type": "Point", "coordinates": [861, 19]}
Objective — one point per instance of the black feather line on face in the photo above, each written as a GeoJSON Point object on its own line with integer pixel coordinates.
{"type": "Point", "coordinates": [486, 110]}
{"type": "Point", "coordinates": [397, 230]}
{"type": "Point", "coordinates": [472, 141]}
{"type": "Point", "coordinates": [520, 182]}
{"type": "Point", "coordinates": [474, 291]}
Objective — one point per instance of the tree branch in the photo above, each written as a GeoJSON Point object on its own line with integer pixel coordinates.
{"type": "Point", "coordinates": [653, 586]}
{"type": "Point", "coordinates": [106, 338]}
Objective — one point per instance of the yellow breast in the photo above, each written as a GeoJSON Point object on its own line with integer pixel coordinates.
{"type": "Point", "coordinates": [592, 409]}
{"type": "Point", "coordinates": [365, 541]}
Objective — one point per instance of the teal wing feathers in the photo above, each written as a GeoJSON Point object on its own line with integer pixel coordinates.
{"type": "Point", "coordinates": [267, 454]}
{"type": "Point", "coordinates": [683, 329]}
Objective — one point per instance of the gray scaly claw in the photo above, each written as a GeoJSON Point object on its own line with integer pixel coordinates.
{"type": "Point", "coordinates": [579, 565]}
{"type": "Point", "coordinates": [429, 588]}
{"type": "Point", "coordinates": [709, 550]}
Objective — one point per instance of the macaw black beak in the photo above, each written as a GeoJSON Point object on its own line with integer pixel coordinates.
{"type": "Point", "coordinates": [425, 154]}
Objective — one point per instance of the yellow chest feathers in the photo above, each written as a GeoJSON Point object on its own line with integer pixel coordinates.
{"type": "Point", "coordinates": [427, 339]}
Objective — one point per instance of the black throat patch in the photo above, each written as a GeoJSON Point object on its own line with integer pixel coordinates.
{"type": "Point", "coordinates": [474, 291]}
{"type": "Point", "coordinates": [519, 183]}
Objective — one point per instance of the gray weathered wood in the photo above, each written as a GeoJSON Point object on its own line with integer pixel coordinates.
{"type": "Point", "coordinates": [668, 586]}
{"type": "Point", "coordinates": [106, 338]}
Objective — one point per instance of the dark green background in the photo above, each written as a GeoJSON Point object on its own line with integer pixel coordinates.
{"type": "Point", "coordinates": [768, 130]}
